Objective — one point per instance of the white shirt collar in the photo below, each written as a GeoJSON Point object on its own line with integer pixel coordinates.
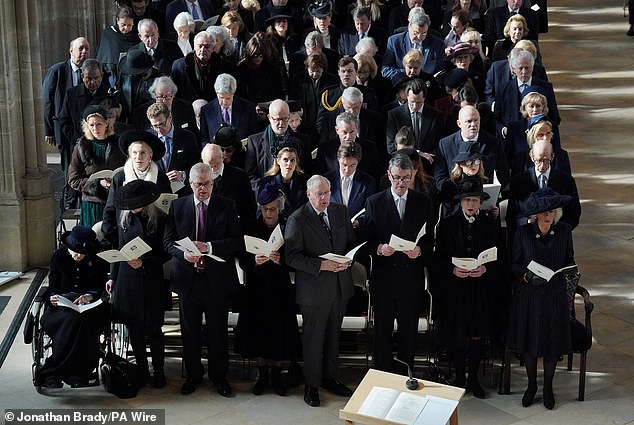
{"type": "Point", "coordinates": [546, 173]}
{"type": "Point", "coordinates": [198, 201]}
{"type": "Point", "coordinates": [528, 83]}
{"type": "Point", "coordinates": [475, 138]}
{"type": "Point", "coordinates": [395, 196]}
{"type": "Point", "coordinates": [351, 176]}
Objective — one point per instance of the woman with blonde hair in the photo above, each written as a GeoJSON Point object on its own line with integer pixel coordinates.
{"type": "Point", "coordinates": [96, 150]}
{"type": "Point", "coordinates": [238, 34]}
{"type": "Point", "coordinates": [516, 29]}
{"type": "Point", "coordinates": [540, 129]}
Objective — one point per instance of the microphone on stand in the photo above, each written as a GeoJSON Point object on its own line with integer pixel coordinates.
{"type": "Point", "coordinates": [411, 383]}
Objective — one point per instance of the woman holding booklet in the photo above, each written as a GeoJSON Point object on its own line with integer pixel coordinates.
{"type": "Point", "coordinates": [267, 325]}
{"type": "Point", "coordinates": [96, 150]}
{"type": "Point", "coordinates": [287, 174]}
{"type": "Point", "coordinates": [467, 244]}
{"type": "Point", "coordinates": [539, 323]}
{"type": "Point", "coordinates": [76, 276]}
{"type": "Point", "coordinates": [137, 286]}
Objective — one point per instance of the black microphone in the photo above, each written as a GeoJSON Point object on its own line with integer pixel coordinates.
{"type": "Point", "coordinates": [411, 383]}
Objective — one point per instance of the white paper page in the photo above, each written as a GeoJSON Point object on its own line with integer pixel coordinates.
{"type": "Point", "coordinates": [113, 256]}
{"type": "Point", "coordinates": [276, 240]}
{"type": "Point", "coordinates": [378, 402]}
{"type": "Point", "coordinates": [400, 244]}
{"type": "Point", "coordinates": [406, 408]}
{"type": "Point", "coordinates": [164, 201]}
{"type": "Point", "coordinates": [493, 189]}
{"type": "Point", "coordinates": [437, 411]}
{"type": "Point", "coordinates": [488, 255]}
{"type": "Point", "coordinates": [176, 185]}
{"type": "Point", "coordinates": [342, 258]}
{"type": "Point", "coordinates": [186, 245]}
{"type": "Point", "coordinates": [354, 217]}
{"type": "Point", "coordinates": [541, 271]}
{"type": "Point", "coordinates": [421, 233]}
{"type": "Point", "coordinates": [256, 245]}
{"type": "Point", "coordinates": [65, 302]}
{"type": "Point", "coordinates": [135, 248]}
{"type": "Point", "coordinates": [103, 174]}
{"type": "Point", "coordinates": [465, 263]}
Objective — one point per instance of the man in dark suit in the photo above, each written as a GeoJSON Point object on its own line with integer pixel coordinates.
{"type": "Point", "coordinates": [163, 90]}
{"type": "Point", "coordinates": [500, 72]}
{"type": "Point", "coordinates": [346, 126]}
{"type": "Point", "coordinates": [416, 37]}
{"type": "Point", "coordinates": [371, 125]}
{"type": "Point", "coordinates": [397, 285]}
{"type": "Point", "coordinates": [145, 9]}
{"type": "Point", "coordinates": [93, 87]}
{"type": "Point", "coordinates": [349, 185]}
{"type": "Point", "coordinates": [313, 43]}
{"type": "Point", "coordinates": [362, 17]}
{"type": "Point", "coordinates": [204, 285]}
{"type": "Point", "coordinates": [164, 52]}
{"type": "Point", "coordinates": [181, 148]}
{"type": "Point", "coordinates": [398, 15]}
{"type": "Point", "coordinates": [323, 287]}
{"type": "Point", "coordinates": [229, 109]}
{"type": "Point", "coordinates": [536, 177]}
{"type": "Point", "coordinates": [262, 145]}
{"type": "Point", "coordinates": [230, 182]}
{"type": "Point", "coordinates": [497, 17]}
{"type": "Point", "coordinates": [196, 73]}
{"type": "Point", "coordinates": [492, 150]}
{"type": "Point", "coordinates": [57, 80]}
{"type": "Point", "coordinates": [199, 9]}
{"type": "Point", "coordinates": [429, 122]}
{"type": "Point", "coordinates": [507, 108]}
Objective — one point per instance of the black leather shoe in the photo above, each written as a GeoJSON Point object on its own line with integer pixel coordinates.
{"type": "Point", "coordinates": [336, 387]}
{"type": "Point", "coordinates": [190, 386]}
{"type": "Point", "coordinates": [223, 387]}
{"type": "Point", "coordinates": [549, 397]}
{"type": "Point", "coordinates": [311, 396]}
{"type": "Point", "coordinates": [159, 378]}
{"type": "Point", "coordinates": [476, 388]}
{"type": "Point", "coordinates": [529, 395]}
{"type": "Point", "coordinates": [53, 382]}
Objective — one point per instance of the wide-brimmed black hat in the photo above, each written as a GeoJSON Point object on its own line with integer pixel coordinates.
{"type": "Point", "coordinates": [226, 136]}
{"type": "Point", "coordinates": [454, 78]}
{"type": "Point", "coordinates": [269, 193]}
{"type": "Point", "coordinates": [467, 151]}
{"type": "Point", "coordinates": [278, 13]}
{"type": "Point", "coordinates": [136, 194]}
{"type": "Point", "coordinates": [470, 186]}
{"type": "Point", "coordinates": [136, 62]}
{"type": "Point", "coordinates": [128, 137]}
{"type": "Point", "coordinates": [81, 240]}
{"type": "Point", "coordinates": [92, 110]}
{"type": "Point", "coordinates": [544, 199]}
{"type": "Point", "coordinates": [320, 8]}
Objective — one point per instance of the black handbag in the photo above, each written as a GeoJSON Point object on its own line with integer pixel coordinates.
{"type": "Point", "coordinates": [121, 377]}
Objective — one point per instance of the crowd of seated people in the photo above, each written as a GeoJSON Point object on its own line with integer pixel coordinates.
{"type": "Point", "coordinates": [305, 115]}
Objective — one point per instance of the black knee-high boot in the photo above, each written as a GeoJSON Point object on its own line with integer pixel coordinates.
{"type": "Point", "coordinates": [530, 363]}
{"type": "Point", "coordinates": [550, 363]}
{"type": "Point", "coordinates": [475, 357]}
{"type": "Point", "coordinates": [458, 355]}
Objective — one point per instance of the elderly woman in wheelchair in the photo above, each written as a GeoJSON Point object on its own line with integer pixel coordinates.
{"type": "Point", "coordinates": [77, 277]}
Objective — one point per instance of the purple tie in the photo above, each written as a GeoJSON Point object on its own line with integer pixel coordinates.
{"type": "Point", "coordinates": [225, 115]}
{"type": "Point", "coordinates": [202, 219]}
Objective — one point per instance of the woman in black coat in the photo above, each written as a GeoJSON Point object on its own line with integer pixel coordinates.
{"type": "Point", "coordinates": [138, 290]}
{"type": "Point", "coordinates": [267, 325]}
{"type": "Point", "coordinates": [539, 323]}
{"type": "Point", "coordinates": [78, 275]}
{"type": "Point", "coordinates": [259, 74]}
{"type": "Point", "coordinates": [467, 294]}
{"type": "Point", "coordinates": [289, 177]}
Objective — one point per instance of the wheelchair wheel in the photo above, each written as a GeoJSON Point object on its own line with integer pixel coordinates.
{"type": "Point", "coordinates": [41, 350]}
{"type": "Point", "coordinates": [120, 339]}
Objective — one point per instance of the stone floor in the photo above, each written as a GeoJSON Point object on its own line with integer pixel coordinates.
{"type": "Point", "coordinates": [589, 60]}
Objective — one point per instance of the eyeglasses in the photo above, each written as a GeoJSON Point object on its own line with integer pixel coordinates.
{"type": "Point", "coordinates": [200, 185]}
{"type": "Point", "coordinates": [279, 119]}
{"type": "Point", "coordinates": [257, 55]}
{"type": "Point", "coordinates": [163, 96]}
{"type": "Point", "coordinates": [401, 179]}
{"type": "Point", "coordinates": [160, 125]}
{"type": "Point", "coordinates": [322, 194]}
{"type": "Point", "coordinates": [471, 162]}
{"type": "Point", "coordinates": [543, 161]}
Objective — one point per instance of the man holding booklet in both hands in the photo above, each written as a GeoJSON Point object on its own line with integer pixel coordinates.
{"type": "Point", "coordinates": [395, 223]}
{"type": "Point", "coordinates": [467, 264]}
{"type": "Point", "coordinates": [539, 324]}
{"type": "Point", "coordinates": [137, 286]}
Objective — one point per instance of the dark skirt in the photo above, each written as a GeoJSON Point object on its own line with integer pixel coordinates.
{"type": "Point", "coordinates": [539, 321]}
{"type": "Point", "coordinates": [467, 310]}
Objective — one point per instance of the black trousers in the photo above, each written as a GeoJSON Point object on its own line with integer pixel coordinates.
{"type": "Point", "coordinates": [193, 304]}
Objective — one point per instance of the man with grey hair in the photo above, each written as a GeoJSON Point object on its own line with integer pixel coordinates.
{"type": "Point", "coordinates": [346, 127]}
{"type": "Point", "coordinates": [229, 109]}
{"type": "Point", "coordinates": [507, 108]}
{"type": "Point", "coordinates": [399, 14]}
{"type": "Point", "coordinates": [397, 285]}
{"type": "Point", "coordinates": [416, 37]}
{"type": "Point", "coordinates": [204, 285]}
{"type": "Point", "coordinates": [323, 286]}
{"type": "Point", "coordinates": [163, 51]}
{"type": "Point", "coordinates": [163, 90]}
{"type": "Point", "coordinates": [363, 29]}
{"type": "Point", "coordinates": [262, 147]}
{"type": "Point", "coordinates": [196, 73]}
{"type": "Point", "coordinates": [313, 43]}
